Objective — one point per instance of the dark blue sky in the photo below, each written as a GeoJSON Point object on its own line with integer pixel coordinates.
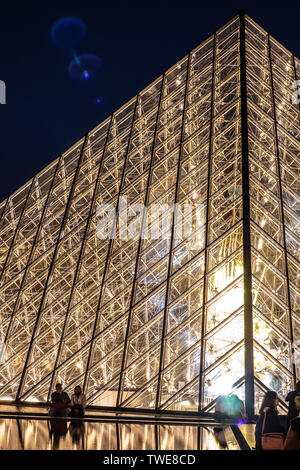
{"type": "Point", "coordinates": [46, 111]}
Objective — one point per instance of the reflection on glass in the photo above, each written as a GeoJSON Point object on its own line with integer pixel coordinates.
{"type": "Point", "coordinates": [57, 434]}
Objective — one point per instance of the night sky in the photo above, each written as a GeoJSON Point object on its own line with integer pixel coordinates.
{"type": "Point", "coordinates": [46, 111]}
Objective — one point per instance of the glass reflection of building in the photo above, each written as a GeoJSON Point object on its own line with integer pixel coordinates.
{"type": "Point", "coordinates": [165, 324]}
{"type": "Point", "coordinates": [27, 434]}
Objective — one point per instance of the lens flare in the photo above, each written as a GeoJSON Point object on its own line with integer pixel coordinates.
{"type": "Point", "coordinates": [68, 32]}
{"type": "Point", "coordinates": [84, 66]}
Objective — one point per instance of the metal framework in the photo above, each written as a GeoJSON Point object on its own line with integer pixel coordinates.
{"type": "Point", "coordinates": [165, 324]}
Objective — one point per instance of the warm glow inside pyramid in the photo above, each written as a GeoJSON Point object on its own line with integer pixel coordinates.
{"type": "Point", "coordinates": [156, 262]}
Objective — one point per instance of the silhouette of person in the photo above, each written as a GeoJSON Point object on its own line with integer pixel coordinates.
{"type": "Point", "coordinates": [59, 402]}
{"type": "Point", "coordinates": [293, 398]}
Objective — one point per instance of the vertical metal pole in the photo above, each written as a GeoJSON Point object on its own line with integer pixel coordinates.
{"type": "Point", "coordinates": [118, 436]}
{"type": "Point", "coordinates": [156, 436]}
{"type": "Point", "coordinates": [21, 440]}
{"type": "Point", "coordinates": [248, 320]}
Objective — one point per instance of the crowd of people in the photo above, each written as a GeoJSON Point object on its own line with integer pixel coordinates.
{"type": "Point", "coordinates": [272, 431]}
{"type": "Point", "coordinates": [63, 406]}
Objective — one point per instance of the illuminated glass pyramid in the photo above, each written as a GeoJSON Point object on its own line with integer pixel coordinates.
{"type": "Point", "coordinates": [165, 323]}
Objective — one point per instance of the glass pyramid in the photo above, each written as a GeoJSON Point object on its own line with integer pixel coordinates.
{"type": "Point", "coordinates": [165, 322]}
